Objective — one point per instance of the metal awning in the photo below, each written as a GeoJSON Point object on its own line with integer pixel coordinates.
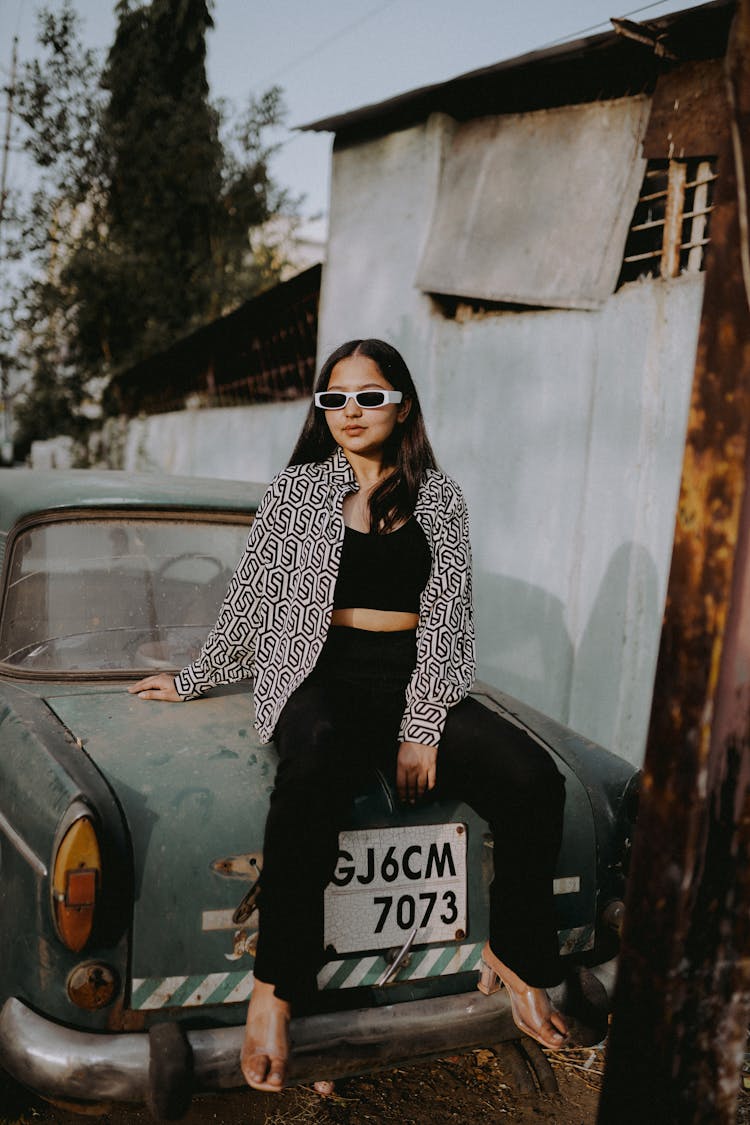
{"type": "Point", "coordinates": [534, 208]}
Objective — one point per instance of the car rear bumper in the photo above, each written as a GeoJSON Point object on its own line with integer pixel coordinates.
{"type": "Point", "coordinates": [57, 1061]}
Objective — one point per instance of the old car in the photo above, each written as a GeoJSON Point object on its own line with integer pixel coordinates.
{"type": "Point", "coordinates": [131, 834]}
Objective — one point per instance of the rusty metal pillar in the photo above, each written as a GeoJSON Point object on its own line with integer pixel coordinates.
{"type": "Point", "coordinates": [683, 993]}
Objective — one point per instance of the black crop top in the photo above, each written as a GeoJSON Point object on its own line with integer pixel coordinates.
{"type": "Point", "coordinates": [383, 571]}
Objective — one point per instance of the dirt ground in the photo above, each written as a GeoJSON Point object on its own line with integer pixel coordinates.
{"type": "Point", "coordinates": [478, 1087]}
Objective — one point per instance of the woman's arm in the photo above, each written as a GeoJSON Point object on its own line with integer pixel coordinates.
{"type": "Point", "coordinates": [227, 655]}
{"type": "Point", "coordinates": [446, 660]}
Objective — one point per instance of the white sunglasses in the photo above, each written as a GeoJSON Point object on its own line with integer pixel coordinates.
{"type": "Point", "coordinates": [367, 400]}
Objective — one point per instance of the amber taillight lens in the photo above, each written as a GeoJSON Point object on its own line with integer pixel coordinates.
{"type": "Point", "coordinates": [76, 880]}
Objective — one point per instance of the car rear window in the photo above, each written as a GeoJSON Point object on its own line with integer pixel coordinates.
{"type": "Point", "coordinates": [115, 595]}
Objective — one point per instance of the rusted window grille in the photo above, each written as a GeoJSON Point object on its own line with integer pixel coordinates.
{"type": "Point", "coordinates": [669, 231]}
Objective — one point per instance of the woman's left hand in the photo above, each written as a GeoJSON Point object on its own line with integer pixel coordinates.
{"type": "Point", "coordinates": [416, 770]}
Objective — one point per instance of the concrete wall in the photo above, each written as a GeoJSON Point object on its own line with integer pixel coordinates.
{"type": "Point", "coordinates": [565, 429]}
{"type": "Point", "coordinates": [241, 442]}
{"type": "Point", "coordinates": [54, 453]}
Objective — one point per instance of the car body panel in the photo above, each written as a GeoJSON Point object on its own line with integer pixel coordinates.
{"type": "Point", "coordinates": [44, 775]}
{"type": "Point", "coordinates": [28, 493]}
{"type": "Point", "coordinates": [194, 782]}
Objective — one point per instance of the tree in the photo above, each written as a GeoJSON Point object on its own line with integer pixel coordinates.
{"type": "Point", "coordinates": [58, 103]}
{"type": "Point", "coordinates": [139, 227]}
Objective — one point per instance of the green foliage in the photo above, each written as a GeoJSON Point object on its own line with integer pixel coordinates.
{"type": "Point", "coordinates": [51, 406]}
{"type": "Point", "coordinates": [146, 193]}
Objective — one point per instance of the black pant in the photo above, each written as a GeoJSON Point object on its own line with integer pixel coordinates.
{"type": "Point", "coordinates": [339, 724]}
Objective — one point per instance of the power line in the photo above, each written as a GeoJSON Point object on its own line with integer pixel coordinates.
{"type": "Point", "coordinates": [323, 43]}
{"type": "Point", "coordinates": [603, 23]}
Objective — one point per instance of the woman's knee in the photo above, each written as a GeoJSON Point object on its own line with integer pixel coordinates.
{"type": "Point", "coordinates": [541, 778]}
{"type": "Point", "coordinates": [502, 758]}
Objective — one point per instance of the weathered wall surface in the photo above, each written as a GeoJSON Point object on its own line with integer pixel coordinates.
{"type": "Point", "coordinates": [241, 442]}
{"type": "Point", "coordinates": [565, 428]}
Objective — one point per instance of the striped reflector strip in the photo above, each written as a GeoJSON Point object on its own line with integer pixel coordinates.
{"type": "Point", "coordinates": [436, 961]}
{"type": "Point", "coordinates": [190, 992]}
{"type": "Point", "coordinates": [150, 993]}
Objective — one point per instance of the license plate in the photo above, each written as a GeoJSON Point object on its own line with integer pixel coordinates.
{"type": "Point", "coordinates": [390, 880]}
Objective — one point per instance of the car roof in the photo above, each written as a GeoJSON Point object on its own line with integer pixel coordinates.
{"type": "Point", "coordinates": [23, 492]}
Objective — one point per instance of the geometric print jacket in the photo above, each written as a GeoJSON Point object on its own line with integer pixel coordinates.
{"type": "Point", "coordinates": [275, 616]}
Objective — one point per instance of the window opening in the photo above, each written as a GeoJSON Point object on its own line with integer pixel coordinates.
{"type": "Point", "coordinates": [669, 230]}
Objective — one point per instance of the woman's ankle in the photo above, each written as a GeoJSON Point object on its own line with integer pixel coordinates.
{"type": "Point", "coordinates": [508, 976]}
{"type": "Point", "coordinates": [265, 993]}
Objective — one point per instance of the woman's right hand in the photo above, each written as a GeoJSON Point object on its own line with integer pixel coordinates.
{"type": "Point", "coordinates": [157, 687]}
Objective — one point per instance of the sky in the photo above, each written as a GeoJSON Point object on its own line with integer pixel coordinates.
{"type": "Point", "coordinates": [331, 56]}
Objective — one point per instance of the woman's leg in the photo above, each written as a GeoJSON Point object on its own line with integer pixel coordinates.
{"type": "Point", "coordinates": [513, 783]}
{"type": "Point", "coordinates": [329, 735]}
{"type": "Point", "coordinates": [318, 771]}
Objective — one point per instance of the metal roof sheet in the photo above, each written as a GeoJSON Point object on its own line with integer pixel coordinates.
{"type": "Point", "coordinates": [597, 67]}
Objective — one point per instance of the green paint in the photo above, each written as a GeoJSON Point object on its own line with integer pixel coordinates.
{"type": "Point", "coordinates": [224, 752]}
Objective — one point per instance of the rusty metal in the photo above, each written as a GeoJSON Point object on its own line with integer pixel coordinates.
{"type": "Point", "coordinates": [248, 904]}
{"type": "Point", "coordinates": [688, 112]}
{"type": "Point", "coordinates": [641, 33]}
{"type": "Point", "coordinates": [683, 993]}
{"type": "Point", "coordinates": [246, 866]}
{"type": "Point", "coordinates": [244, 942]}
{"type": "Point", "coordinates": [92, 985]}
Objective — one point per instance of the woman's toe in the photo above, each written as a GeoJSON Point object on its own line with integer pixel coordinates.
{"type": "Point", "coordinates": [277, 1073]}
{"type": "Point", "coordinates": [254, 1068]}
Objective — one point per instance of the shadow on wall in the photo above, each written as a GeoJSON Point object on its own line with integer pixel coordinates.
{"type": "Point", "coordinates": [601, 687]}
{"type": "Point", "coordinates": [523, 643]}
{"type": "Point", "coordinates": [615, 660]}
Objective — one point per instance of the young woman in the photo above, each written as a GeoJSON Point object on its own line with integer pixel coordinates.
{"type": "Point", "coordinates": [352, 609]}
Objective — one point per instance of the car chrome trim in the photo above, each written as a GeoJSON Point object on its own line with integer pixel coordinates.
{"type": "Point", "coordinates": [22, 847]}
{"type": "Point", "coordinates": [401, 956]}
{"type": "Point", "coordinates": [57, 1061]}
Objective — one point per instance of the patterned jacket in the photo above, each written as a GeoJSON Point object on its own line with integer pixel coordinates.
{"type": "Point", "coordinates": [275, 616]}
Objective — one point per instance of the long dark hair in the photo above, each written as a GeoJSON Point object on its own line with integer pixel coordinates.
{"type": "Point", "coordinates": [408, 450]}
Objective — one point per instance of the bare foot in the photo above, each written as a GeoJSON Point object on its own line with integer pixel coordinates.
{"type": "Point", "coordinates": [265, 1050]}
{"type": "Point", "coordinates": [533, 1013]}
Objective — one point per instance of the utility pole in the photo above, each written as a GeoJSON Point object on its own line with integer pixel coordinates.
{"type": "Point", "coordinates": [683, 994]}
{"type": "Point", "coordinates": [10, 91]}
{"type": "Point", "coordinates": [6, 444]}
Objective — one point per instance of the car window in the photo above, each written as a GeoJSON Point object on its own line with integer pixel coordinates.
{"type": "Point", "coordinates": [114, 595]}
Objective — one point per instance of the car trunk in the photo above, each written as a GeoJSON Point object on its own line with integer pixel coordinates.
{"type": "Point", "coordinates": [194, 782]}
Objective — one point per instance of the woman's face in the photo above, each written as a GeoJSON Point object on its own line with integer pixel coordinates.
{"type": "Point", "coordinates": [357, 430]}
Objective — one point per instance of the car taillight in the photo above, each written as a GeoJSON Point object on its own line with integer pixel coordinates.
{"type": "Point", "coordinates": [76, 880]}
